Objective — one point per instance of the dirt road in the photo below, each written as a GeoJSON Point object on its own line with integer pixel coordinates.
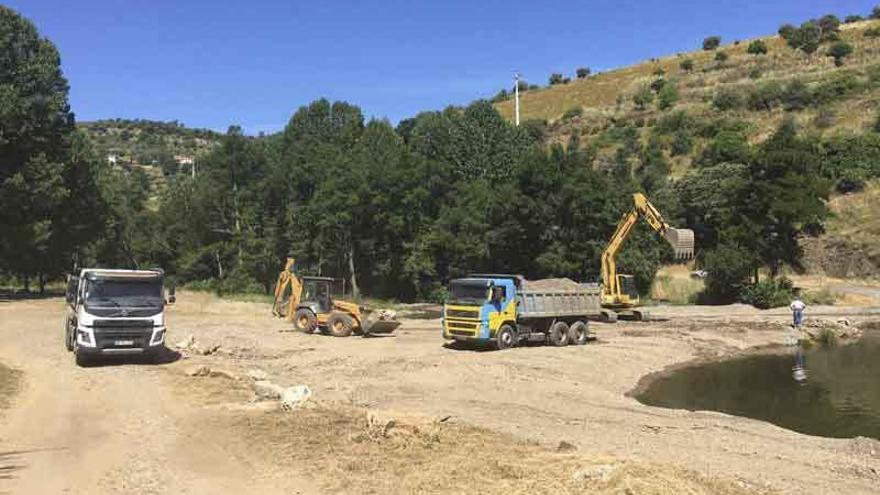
{"type": "Point", "coordinates": [111, 429]}
{"type": "Point", "coordinates": [142, 429]}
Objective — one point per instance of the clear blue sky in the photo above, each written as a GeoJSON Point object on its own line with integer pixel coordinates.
{"type": "Point", "coordinates": [215, 63]}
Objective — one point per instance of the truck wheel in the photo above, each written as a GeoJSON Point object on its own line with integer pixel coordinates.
{"type": "Point", "coordinates": [558, 335]}
{"type": "Point", "coordinates": [339, 324]}
{"type": "Point", "coordinates": [578, 333]}
{"type": "Point", "coordinates": [69, 335]}
{"type": "Point", "coordinates": [505, 338]}
{"type": "Point", "coordinates": [305, 321]}
{"type": "Point", "coordinates": [81, 359]}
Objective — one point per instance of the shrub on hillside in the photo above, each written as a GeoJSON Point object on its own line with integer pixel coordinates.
{"type": "Point", "coordinates": [721, 57]}
{"type": "Point", "coordinates": [825, 118]}
{"type": "Point", "coordinates": [682, 143]}
{"type": "Point", "coordinates": [853, 18]}
{"type": "Point", "coordinates": [796, 95]}
{"type": "Point", "coordinates": [667, 97]}
{"type": "Point", "coordinates": [686, 65]}
{"type": "Point", "coordinates": [643, 97]}
{"type": "Point", "coordinates": [582, 72]}
{"type": "Point", "coordinates": [875, 12]}
{"type": "Point", "coordinates": [711, 42]}
{"type": "Point", "coordinates": [766, 294]}
{"type": "Point", "coordinates": [767, 96]}
{"type": "Point", "coordinates": [757, 47]}
{"type": "Point", "coordinates": [728, 146]}
{"type": "Point", "coordinates": [851, 160]}
{"type": "Point", "coordinates": [836, 86]}
{"type": "Point", "coordinates": [572, 113]}
{"type": "Point", "coordinates": [727, 98]}
{"type": "Point", "coordinates": [555, 78]}
{"type": "Point", "coordinates": [839, 51]}
{"type": "Point", "coordinates": [755, 73]}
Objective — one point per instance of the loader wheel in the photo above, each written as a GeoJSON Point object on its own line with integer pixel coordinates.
{"type": "Point", "coordinates": [339, 324]}
{"type": "Point", "coordinates": [578, 333]}
{"type": "Point", "coordinates": [305, 321]}
{"type": "Point", "coordinates": [505, 338]}
{"type": "Point", "coordinates": [558, 335]}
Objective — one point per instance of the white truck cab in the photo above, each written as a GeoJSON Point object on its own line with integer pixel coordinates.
{"type": "Point", "coordinates": [115, 312]}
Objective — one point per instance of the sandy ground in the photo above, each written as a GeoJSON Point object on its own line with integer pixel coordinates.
{"type": "Point", "coordinates": [140, 428]}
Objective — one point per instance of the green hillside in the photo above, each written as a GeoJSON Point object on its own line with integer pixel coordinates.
{"type": "Point", "coordinates": [679, 98]}
{"type": "Point", "coordinates": [149, 143]}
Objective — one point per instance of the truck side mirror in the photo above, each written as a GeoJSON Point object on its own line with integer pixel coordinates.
{"type": "Point", "coordinates": [172, 295]}
{"type": "Point", "coordinates": [72, 284]}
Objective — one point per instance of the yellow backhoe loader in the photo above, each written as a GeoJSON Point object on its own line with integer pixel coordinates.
{"type": "Point", "coordinates": [306, 302]}
{"type": "Point", "coordinates": [619, 295]}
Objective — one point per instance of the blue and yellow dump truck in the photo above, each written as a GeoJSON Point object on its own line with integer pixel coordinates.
{"type": "Point", "coordinates": [506, 310]}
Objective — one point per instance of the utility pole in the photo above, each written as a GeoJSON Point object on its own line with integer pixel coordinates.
{"type": "Point", "coordinates": [516, 95]}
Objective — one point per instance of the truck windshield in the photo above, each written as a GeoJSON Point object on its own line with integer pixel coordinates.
{"type": "Point", "coordinates": [470, 291]}
{"type": "Point", "coordinates": [130, 293]}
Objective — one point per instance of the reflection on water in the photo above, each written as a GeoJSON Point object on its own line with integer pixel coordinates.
{"type": "Point", "coordinates": [838, 395]}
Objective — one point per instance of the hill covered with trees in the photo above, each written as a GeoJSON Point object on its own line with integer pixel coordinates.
{"type": "Point", "coordinates": [399, 210]}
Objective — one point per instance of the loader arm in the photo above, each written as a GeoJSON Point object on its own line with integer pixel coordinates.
{"type": "Point", "coordinates": [681, 240]}
{"type": "Point", "coordinates": [288, 292]}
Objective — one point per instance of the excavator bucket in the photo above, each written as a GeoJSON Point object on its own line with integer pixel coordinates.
{"type": "Point", "coordinates": [381, 321]}
{"type": "Point", "coordinates": [682, 242]}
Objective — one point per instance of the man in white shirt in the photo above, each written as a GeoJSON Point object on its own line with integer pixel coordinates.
{"type": "Point", "coordinates": [797, 310]}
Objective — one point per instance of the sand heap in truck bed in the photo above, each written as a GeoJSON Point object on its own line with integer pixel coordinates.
{"type": "Point", "coordinates": [561, 284]}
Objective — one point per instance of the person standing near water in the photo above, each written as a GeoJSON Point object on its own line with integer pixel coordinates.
{"type": "Point", "coordinates": [797, 312]}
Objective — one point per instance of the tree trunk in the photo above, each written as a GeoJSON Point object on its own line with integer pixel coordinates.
{"type": "Point", "coordinates": [355, 291]}
{"type": "Point", "coordinates": [219, 264]}
{"type": "Point", "coordinates": [41, 280]}
{"type": "Point", "coordinates": [27, 283]}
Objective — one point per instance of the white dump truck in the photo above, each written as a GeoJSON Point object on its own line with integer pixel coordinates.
{"type": "Point", "coordinates": [115, 312]}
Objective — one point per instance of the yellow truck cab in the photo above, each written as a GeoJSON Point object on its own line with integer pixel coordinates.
{"type": "Point", "coordinates": [505, 310]}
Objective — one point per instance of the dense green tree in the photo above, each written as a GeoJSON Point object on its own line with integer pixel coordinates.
{"type": "Point", "coordinates": [583, 72]}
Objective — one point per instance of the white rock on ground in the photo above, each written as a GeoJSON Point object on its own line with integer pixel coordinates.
{"type": "Point", "coordinates": [267, 390]}
{"type": "Point", "coordinates": [293, 397]}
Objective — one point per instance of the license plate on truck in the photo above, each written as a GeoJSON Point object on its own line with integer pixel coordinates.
{"type": "Point", "coordinates": [120, 343]}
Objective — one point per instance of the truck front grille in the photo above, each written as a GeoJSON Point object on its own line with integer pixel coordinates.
{"type": "Point", "coordinates": [122, 337]}
{"type": "Point", "coordinates": [463, 313]}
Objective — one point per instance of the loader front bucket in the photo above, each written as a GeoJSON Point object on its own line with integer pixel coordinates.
{"type": "Point", "coordinates": [682, 242]}
{"type": "Point", "coordinates": [382, 321]}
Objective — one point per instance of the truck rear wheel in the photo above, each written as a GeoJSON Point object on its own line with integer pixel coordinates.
{"type": "Point", "coordinates": [578, 333]}
{"type": "Point", "coordinates": [339, 324]}
{"type": "Point", "coordinates": [558, 335]}
{"type": "Point", "coordinates": [505, 338]}
{"type": "Point", "coordinates": [305, 321]}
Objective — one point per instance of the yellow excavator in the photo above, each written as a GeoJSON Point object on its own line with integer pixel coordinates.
{"type": "Point", "coordinates": [619, 295]}
{"type": "Point", "coordinates": [306, 302]}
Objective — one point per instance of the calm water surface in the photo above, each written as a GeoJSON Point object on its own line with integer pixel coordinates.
{"type": "Point", "coordinates": [840, 398]}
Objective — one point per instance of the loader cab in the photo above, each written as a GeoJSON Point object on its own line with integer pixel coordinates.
{"type": "Point", "coordinates": [316, 294]}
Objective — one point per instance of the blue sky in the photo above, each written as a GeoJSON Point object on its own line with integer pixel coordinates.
{"type": "Point", "coordinates": [216, 63]}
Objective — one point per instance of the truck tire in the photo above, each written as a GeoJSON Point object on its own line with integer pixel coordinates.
{"type": "Point", "coordinates": [81, 359]}
{"type": "Point", "coordinates": [578, 333]}
{"type": "Point", "coordinates": [558, 334]}
{"type": "Point", "coordinates": [69, 334]}
{"type": "Point", "coordinates": [339, 324]}
{"type": "Point", "coordinates": [505, 338]}
{"type": "Point", "coordinates": [305, 321]}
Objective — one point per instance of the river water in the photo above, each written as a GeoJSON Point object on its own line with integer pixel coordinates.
{"type": "Point", "coordinates": [839, 398]}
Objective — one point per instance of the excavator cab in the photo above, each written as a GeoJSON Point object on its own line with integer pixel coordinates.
{"type": "Point", "coordinates": [627, 284]}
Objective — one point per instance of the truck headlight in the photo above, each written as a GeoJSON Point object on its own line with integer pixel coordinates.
{"type": "Point", "coordinates": [85, 337]}
{"type": "Point", "coordinates": [158, 336]}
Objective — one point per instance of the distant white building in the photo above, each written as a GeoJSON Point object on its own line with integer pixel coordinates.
{"type": "Point", "coordinates": [183, 160]}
